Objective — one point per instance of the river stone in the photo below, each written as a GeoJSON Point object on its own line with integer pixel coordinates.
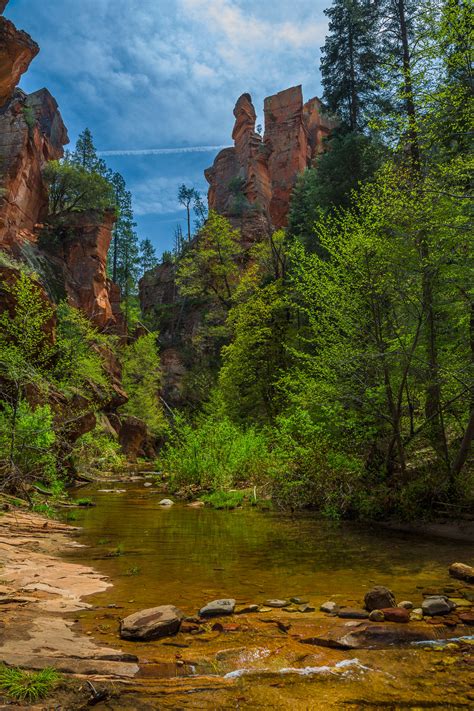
{"type": "Point", "coordinates": [329, 607]}
{"type": "Point", "coordinates": [461, 571]}
{"type": "Point", "coordinates": [376, 616]}
{"type": "Point", "coordinates": [437, 605]}
{"type": "Point", "coordinates": [147, 484]}
{"type": "Point", "coordinates": [352, 614]}
{"type": "Point", "coordinates": [467, 618]}
{"type": "Point", "coordinates": [166, 502]}
{"type": "Point", "coordinates": [416, 615]}
{"type": "Point", "coordinates": [217, 608]}
{"type": "Point", "coordinates": [406, 604]}
{"type": "Point", "coordinates": [378, 598]}
{"type": "Point", "coordinates": [396, 614]}
{"type": "Point", "coordinates": [151, 623]}
{"type": "Point", "coordinates": [276, 603]}
{"type": "Point", "coordinates": [299, 600]}
{"type": "Point", "coordinates": [247, 609]}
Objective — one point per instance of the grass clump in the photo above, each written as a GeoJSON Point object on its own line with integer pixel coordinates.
{"type": "Point", "coordinates": [28, 686]}
{"type": "Point", "coordinates": [224, 499]}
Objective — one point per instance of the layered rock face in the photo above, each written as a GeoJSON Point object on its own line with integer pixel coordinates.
{"type": "Point", "coordinates": [251, 183]}
{"type": "Point", "coordinates": [32, 132]}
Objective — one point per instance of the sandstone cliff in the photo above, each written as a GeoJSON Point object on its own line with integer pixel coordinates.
{"type": "Point", "coordinates": [251, 183]}
{"type": "Point", "coordinates": [31, 133]}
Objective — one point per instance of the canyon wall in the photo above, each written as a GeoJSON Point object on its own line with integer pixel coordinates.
{"type": "Point", "coordinates": [32, 132]}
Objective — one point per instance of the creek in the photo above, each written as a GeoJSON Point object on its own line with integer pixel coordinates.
{"type": "Point", "coordinates": [189, 556]}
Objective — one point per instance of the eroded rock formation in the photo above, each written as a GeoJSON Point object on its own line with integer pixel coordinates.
{"type": "Point", "coordinates": [251, 183]}
{"type": "Point", "coordinates": [32, 132]}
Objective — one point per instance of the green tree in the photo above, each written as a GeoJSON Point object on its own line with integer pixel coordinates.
{"type": "Point", "coordinates": [349, 61]}
{"type": "Point", "coordinates": [71, 188]}
{"type": "Point", "coordinates": [351, 160]}
{"type": "Point", "coordinates": [141, 376]}
{"type": "Point", "coordinates": [148, 258]}
{"type": "Point", "coordinates": [211, 267]}
{"type": "Point", "coordinates": [185, 198]}
{"type": "Point", "coordinates": [85, 154]}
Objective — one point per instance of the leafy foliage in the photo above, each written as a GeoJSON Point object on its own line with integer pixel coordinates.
{"type": "Point", "coordinates": [141, 378]}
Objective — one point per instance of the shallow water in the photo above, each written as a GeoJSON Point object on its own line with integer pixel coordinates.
{"type": "Point", "coordinates": [187, 557]}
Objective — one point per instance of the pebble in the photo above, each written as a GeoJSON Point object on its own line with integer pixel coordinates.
{"type": "Point", "coordinates": [406, 604]}
{"type": "Point", "coordinates": [376, 616]}
{"type": "Point", "coordinates": [299, 600]}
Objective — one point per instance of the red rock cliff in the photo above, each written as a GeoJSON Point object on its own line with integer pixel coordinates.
{"type": "Point", "coordinates": [32, 132]}
{"type": "Point", "coordinates": [264, 170]}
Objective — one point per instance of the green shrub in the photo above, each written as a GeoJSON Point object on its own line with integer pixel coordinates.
{"type": "Point", "coordinates": [27, 439]}
{"type": "Point", "coordinates": [215, 454]}
{"type": "Point", "coordinates": [97, 450]}
{"type": "Point", "coordinates": [28, 686]}
{"type": "Point", "coordinates": [79, 363]}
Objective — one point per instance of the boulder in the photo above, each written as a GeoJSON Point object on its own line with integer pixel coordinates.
{"type": "Point", "coordinates": [461, 571]}
{"type": "Point", "coordinates": [216, 608]}
{"type": "Point", "coordinates": [132, 437]}
{"type": "Point", "coordinates": [378, 598]}
{"type": "Point", "coordinates": [396, 614]}
{"type": "Point", "coordinates": [152, 623]}
{"type": "Point", "coordinates": [437, 605]}
{"type": "Point", "coordinates": [329, 607]}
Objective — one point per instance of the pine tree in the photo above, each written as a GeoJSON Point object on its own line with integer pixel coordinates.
{"type": "Point", "coordinates": [85, 154]}
{"type": "Point", "coordinates": [148, 258]}
{"type": "Point", "coordinates": [349, 63]}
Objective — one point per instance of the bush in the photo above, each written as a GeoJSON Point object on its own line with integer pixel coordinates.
{"type": "Point", "coordinates": [215, 454]}
{"type": "Point", "coordinates": [97, 450]}
{"type": "Point", "coordinates": [79, 363]}
{"type": "Point", "coordinates": [26, 444]}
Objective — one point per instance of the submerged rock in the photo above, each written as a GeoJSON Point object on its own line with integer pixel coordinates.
{"type": "Point", "coordinates": [352, 614]}
{"type": "Point", "coordinates": [276, 603]}
{"type": "Point", "coordinates": [378, 598]}
{"type": "Point", "coordinates": [247, 609]}
{"type": "Point", "coordinates": [437, 605]}
{"type": "Point", "coordinates": [216, 608]}
{"type": "Point", "coordinates": [461, 571]}
{"type": "Point", "coordinates": [396, 614]}
{"type": "Point", "coordinates": [152, 623]}
{"type": "Point", "coordinates": [329, 606]}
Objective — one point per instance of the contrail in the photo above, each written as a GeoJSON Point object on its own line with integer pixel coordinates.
{"type": "Point", "coordinates": [161, 151]}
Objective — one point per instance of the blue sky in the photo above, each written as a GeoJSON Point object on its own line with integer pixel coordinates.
{"type": "Point", "coordinates": [145, 74]}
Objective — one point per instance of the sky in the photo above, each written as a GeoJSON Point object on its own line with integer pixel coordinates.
{"type": "Point", "coordinates": [153, 74]}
